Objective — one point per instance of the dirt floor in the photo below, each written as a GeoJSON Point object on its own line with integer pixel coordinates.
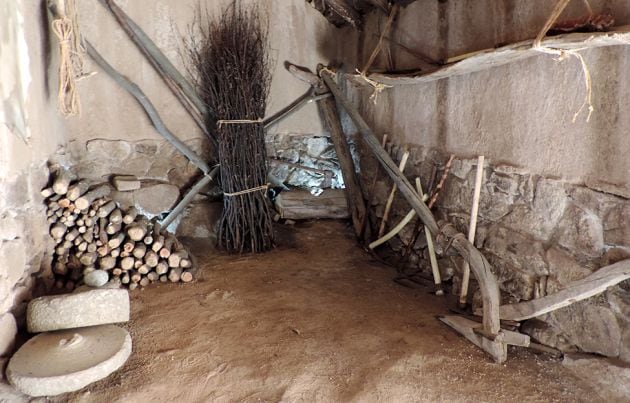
{"type": "Point", "coordinates": [315, 320]}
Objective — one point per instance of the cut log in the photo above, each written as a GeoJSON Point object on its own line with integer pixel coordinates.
{"type": "Point", "coordinates": [107, 262]}
{"type": "Point", "coordinates": [186, 277]}
{"type": "Point", "coordinates": [144, 281]}
{"type": "Point", "coordinates": [163, 278]}
{"type": "Point", "coordinates": [302, 205]}
{"type": "Point", "coordinates": [115, 252]}
{"type": "Point", "coordinates": [106, 209]}
{"type": "Point", "coordinates": [62, 181]}
{"type": "Point", "coordinates": [158, 243]}
{"type": "Point", "coordinates": [130, 216]}
{"type": "Point", "coordinates": [127, 263]}
{"type": "Point", "coordinates": [84, 201]}
{"type": "Point", "coordinates": [57, 231]}
{"type": "Point", "coordinates": [137, 231]}
{"type": "Point", "coordinates": [162, 267]}
{"type": "Point", "coordinates": [151, 258]}
{"type": "Point", "coordinates": [139, 251]}
{"type": "Point", "coordinates": [153, 276]}
{"type": "Point", "coordinates": [77, 190]}
{"type": "Point", "coordinates": [165, 251]}
{"type": "Point", "coordinates": [88, 259]}
{"type": "Point", "coordinates": [113, 229]}
{"type": "Point", "coordinates": [144, 269]}
{"type": "Point", "coordinates": [116, 217]}
{"type": "Point", "coordinates": [175, 275]}
{"type": "Point", "coordinates": [116, 240]}
{"type": "Point", "coordinates": [591, 285]}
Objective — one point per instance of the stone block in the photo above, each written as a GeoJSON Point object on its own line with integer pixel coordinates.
{"type": "Point", "coordinates": [544, 333]}
{"type": "Point", "coordinates": [541, 218]}
{"type": "Point", "coordinates": [590, 326]}
{"type": "Point", "coordinates": [8, 331]}
{"type": "Point", "coordinates": [517, 251]}
{"type": "Point", "coordinates": [69, 311]}
{"type": "Point", "coordinates": [616, 226]}
{"type": "Point", "coordinates": [200, 220]}
{"type": "Point", "coordinates": [581, 233]}
{"type": "Point", "coordinates": [125, 183]}
{"type": "Point", "coordinates": [156, 199]}
{"type": "Point", "coordinates": [563, 269]}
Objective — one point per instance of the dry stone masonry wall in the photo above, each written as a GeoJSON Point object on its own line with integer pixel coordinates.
{"type": "Point", "coordinates": [539, 234]}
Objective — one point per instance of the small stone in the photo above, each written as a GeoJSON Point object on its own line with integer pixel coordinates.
{"type": "Point", "coordinates": [8, 331]}
{"type": "Point", "coordinates": [125, 183]}
{"type": "Point", "coordinates": [53, 363]}
{"type": "Point", "coordinates": [96, 278]}
{"type": "Point", "coordinates": [156, 199]}
{"type": "Point", "coordinates": [68, 311]}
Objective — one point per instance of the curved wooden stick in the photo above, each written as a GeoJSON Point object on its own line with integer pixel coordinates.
{"type": "Point", "coordinates": [392, 194]}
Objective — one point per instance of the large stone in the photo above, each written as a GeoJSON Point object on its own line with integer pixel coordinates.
{"type": "Point", "coordinates": [8, 331]}
{"type": "Point", "coordinates": [581, 233]}
{"type": "Point", "coordinates": [541, 218]}
{"type": "Point", "coordinates": [617, 226]}
{"type": "Point", "coordinates": [563, 269]}
{"type": "Point", "coordinates": [608, 379]}
{"type": "Point", "coordinates": [156, 199]}
{"type": "Point", "coordinates": [592, 327]}
{"type": "Point", "coordinates": [53, 363]}
{"type": "Point", "coordinates": [544, 333]}
{"type": "Point", "coordinates": [69, 311]}
{"type": "Point", "coordinates": [516, 250]}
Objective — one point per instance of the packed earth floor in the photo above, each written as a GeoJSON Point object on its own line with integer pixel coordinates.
{"type": "Point", "coordinates": [317, 319]}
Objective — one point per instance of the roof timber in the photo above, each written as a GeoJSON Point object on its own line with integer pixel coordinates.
{"type": "Point", "coordinates": [488, 58]}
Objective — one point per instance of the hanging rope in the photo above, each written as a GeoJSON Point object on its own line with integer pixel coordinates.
{"type": "Point", "coordinates": [71, 57]}
{"type": "Point", "coordinates": [564, 54]}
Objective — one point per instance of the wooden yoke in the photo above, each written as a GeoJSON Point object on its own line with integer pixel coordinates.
{"type": "Point", "coordinates": [492, 340]}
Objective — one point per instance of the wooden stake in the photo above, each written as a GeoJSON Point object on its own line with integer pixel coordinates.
{"type": "Point", "coordinates": [472, 229]}
{"type": "Point", "coordinates": [392, 194]}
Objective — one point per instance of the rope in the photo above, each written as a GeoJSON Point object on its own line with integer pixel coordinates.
{"type": "Point", "coordinates": [71, 61]}
{"type": "Point", "coordinates": [251, 190]}
{"type": "Point", "coordinates": [564, 54]}
{"type": "Point", "coordinates": [239, 121]}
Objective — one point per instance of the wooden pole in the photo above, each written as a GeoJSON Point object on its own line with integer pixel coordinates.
{"type": "Point", "coordinates": [392, 195]}
{"type": "Point", "coordinates": [472, 229]}
{"type": "Point", "coordinates": [435, 269]}
{"type": "Point", "coordinates": [478, 263]}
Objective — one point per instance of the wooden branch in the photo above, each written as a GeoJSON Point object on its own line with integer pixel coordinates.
{"type": "Point", "coordinates": [587, 287]}
{"type": "Point", "coordinates": [392, 195]}
{"type": "Point", "coordinates": [472, 229]}
{"type": "Point", "coordinates": [354, 193]}
{"type": "Point", "coordinates": [435, 269]}
{"type": "Point", "coordinates": [488, 58]}
{"type": "Point", "coordinates": [479, 265]}
{"type": "Point", "coordinates": [159, 125]}
{"type": "Point", "coordinates": [179, 208]}
{"type": "Point", "coordinates": [155, 56]}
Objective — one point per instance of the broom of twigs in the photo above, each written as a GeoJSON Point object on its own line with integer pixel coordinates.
{"type": "Point", "coordinates": [229, 57]}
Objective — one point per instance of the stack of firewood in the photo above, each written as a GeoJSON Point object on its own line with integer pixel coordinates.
{"type": "Point", "coordinates": [92, 232]}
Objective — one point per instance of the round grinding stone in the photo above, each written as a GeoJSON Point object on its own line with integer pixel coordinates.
{"type": "Point", "coordinates": [67, 360]}
{"type": "Point", "coordinates": [69, 311]}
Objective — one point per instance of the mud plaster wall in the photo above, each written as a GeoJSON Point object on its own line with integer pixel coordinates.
{"type": "Point", "coordinates": [111, 115]}
{"type": "Point", "coordinates": [30, 131]}
{"type": "Point", "coordinates": [554, 200]}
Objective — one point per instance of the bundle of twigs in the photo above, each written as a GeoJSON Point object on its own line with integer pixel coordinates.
{"type": "Point", "coordinates": [232, 67]}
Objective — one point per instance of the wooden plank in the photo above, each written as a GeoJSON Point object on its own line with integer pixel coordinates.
{"type": "Point", "coordinates": [354, 193]}
{"type": "Point", "coordinates": [587, 287]}
{"type": "Point", "coordinates": [478, 263]}
{"type": "Point", "coordinates": [488, 58]}
{"type": "Point", "coordinates": [497, 348]}
{"type": "Point", "coordinates": [302, 205]}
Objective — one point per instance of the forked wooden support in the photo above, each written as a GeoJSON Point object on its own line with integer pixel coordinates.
{"type": "Point", "coordinates": [495, 345]}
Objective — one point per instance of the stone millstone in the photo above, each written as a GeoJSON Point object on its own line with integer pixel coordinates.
{"type": "Point", "coordinates": [67, 360]}
{"type": "Point", "coordinates": [69, 311]}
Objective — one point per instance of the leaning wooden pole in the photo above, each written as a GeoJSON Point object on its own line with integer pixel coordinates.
{"type": "Point", "coordinates": [478, 263]}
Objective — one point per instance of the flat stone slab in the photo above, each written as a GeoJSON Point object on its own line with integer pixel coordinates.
{"type": "Point", "coordinates": [69, 311]}
{"type": "Point", "coordinates": [58, 362]}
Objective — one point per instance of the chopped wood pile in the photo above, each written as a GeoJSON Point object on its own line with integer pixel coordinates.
{"type": "Point", "coordinates": [93, 233]}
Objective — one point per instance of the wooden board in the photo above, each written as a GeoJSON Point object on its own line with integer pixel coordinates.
{"type": "Point", "coordinates": [488, 58]}
{"type": "Point", "coordinates": [302, 205]}
{"type": "Point", "coordinates": [587, 287]}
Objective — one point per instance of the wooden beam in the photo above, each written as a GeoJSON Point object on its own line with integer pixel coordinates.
{"type": "Point", "coordinates": [478, 263]}
{"type": "Point", "coordinates": [488, 58]}
{"type": "Point", "coordinates": [354, 192]}
{"type": "Point", "coordinates": [587, 287]}
{"type": "Point", "coordinates": [497, 348]}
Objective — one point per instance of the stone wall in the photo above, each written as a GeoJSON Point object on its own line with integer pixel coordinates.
{"type": "Point", "coordinates": [538, 233]}
{"type": "Point", "coordinates": [30, 132]}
